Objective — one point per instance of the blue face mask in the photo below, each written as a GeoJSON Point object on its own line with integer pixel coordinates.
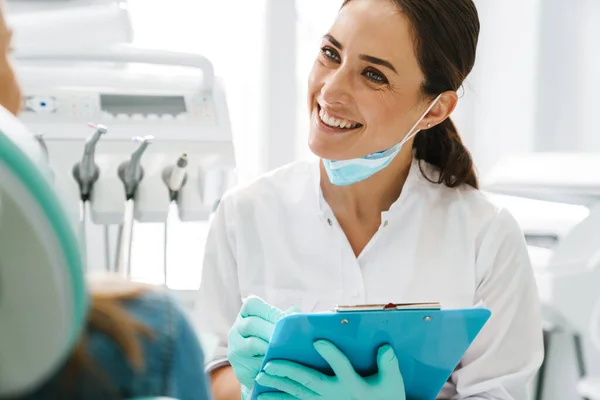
{"type": "Point", "coordinates": [347, 172]}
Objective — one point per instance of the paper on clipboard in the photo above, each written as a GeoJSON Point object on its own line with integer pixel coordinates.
{"type": "Point", "coordinates": [389, 306]}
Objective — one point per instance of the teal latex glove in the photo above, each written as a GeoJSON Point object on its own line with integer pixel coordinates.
{"type": "Point", "coordinates": [249, 337]}
{"type": "Point", "coordinates": [300, 382]}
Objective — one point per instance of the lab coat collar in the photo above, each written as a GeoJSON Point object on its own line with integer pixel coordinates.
{"type": "Point", "coordinates": [415, 178]}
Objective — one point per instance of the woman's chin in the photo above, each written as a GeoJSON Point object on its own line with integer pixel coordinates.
{"type": "Point", "coordinates": [323, 150]}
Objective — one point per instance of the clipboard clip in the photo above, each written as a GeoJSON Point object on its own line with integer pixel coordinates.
{"type": "Point", "coordinates": [389, 307]}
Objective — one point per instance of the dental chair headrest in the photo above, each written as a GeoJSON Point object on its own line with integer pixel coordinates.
{"type": "Point", "coordinates": [43, 300]}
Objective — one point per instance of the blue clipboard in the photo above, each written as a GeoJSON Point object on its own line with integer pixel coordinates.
{"type": "Point", "coordinates": [429, 344]}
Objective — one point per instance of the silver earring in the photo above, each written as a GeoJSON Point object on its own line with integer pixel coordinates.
{"type": "Point", "coordinates": [428, 125]}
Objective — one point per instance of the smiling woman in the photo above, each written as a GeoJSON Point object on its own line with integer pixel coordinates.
{"type": "Point", "coordinates": [389, 213]}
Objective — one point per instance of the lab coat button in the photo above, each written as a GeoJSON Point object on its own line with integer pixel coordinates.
{"type": "Point", "coordinates": [329, 222]}
{"type": "Point", "coordinates": [385, 223]}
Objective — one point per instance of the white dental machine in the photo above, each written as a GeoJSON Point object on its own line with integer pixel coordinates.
{"type": "Point", "coordinates": [160, 134]}
{"type": "Point", "coordinates": [556, 199]}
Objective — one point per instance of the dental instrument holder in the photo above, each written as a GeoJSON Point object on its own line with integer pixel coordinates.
{"type": "Point", "coordinates": [131, 174]}
{"type": "Point", "coordinates": [61, 106]}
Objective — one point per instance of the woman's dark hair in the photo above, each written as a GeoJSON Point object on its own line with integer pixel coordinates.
{"type": "Point", "coordinates": [445, 36]}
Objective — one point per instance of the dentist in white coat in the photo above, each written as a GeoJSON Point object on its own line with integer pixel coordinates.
{"type": "Point", "coordinates": [390, 211]}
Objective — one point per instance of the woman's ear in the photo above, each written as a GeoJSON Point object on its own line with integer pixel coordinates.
{"type": "Point", "coordinates": [441, 110]}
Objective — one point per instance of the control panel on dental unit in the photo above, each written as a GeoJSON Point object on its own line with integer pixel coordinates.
{"type": "Point", "coordinates": [122, 108]}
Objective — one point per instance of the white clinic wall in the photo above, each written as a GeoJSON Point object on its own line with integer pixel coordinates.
{"type": "Point", "coordinates": [278, 99]}
{"type": "Point", "coordinates": [496, 115]}
{"type": "Point", "coordinates": [589, 59]}
{"type": "Point", "coordinates": [569, 82]}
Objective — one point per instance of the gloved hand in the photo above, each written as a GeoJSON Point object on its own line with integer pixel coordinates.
{"type": "Point", "coordinates": [249, 337]}
{"type": "Point", "coordinates": [300, 382]}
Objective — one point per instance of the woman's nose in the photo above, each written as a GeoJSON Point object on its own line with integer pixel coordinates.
{"type": "Point", "coordinates": [337, 89]}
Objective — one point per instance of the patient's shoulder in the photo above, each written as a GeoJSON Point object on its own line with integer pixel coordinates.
{"type": "Point", "coordinates": [174, 360]}
{"type": "Point", "coordinates": [172, 355]}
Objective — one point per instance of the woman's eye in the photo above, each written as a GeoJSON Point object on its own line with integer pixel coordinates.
{"type": "Point", "coordinates": [330, 54]}
{"type": "Point", "coordinates": [375, 77]}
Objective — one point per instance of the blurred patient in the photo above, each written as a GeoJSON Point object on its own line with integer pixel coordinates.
{"type": "Point", "coordinates": [137, 341]}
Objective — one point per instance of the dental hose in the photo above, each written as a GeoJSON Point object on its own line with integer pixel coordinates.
{"type": "Point", "coordinates": [174, 178]}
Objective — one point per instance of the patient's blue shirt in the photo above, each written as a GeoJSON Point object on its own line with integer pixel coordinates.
{"type": "Point", "coordinates": [174, 361]}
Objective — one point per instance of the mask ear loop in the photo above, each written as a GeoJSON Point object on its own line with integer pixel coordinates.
{"type": "Point", "coordinates": [411, 135]}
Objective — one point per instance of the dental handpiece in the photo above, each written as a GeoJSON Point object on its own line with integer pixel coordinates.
{"type": "Point", "coordinates": [86, 172]}
{"type": "Point", "coordinates": [131, 172]}
{"type": "Point", "coordinates": [177, 175]}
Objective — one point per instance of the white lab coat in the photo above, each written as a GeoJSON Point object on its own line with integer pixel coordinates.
{"type": "Point", "coordinates": [277, 238]}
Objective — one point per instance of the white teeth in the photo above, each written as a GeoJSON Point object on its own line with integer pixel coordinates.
{"type": "Point", "coordinates": [336, 123]}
